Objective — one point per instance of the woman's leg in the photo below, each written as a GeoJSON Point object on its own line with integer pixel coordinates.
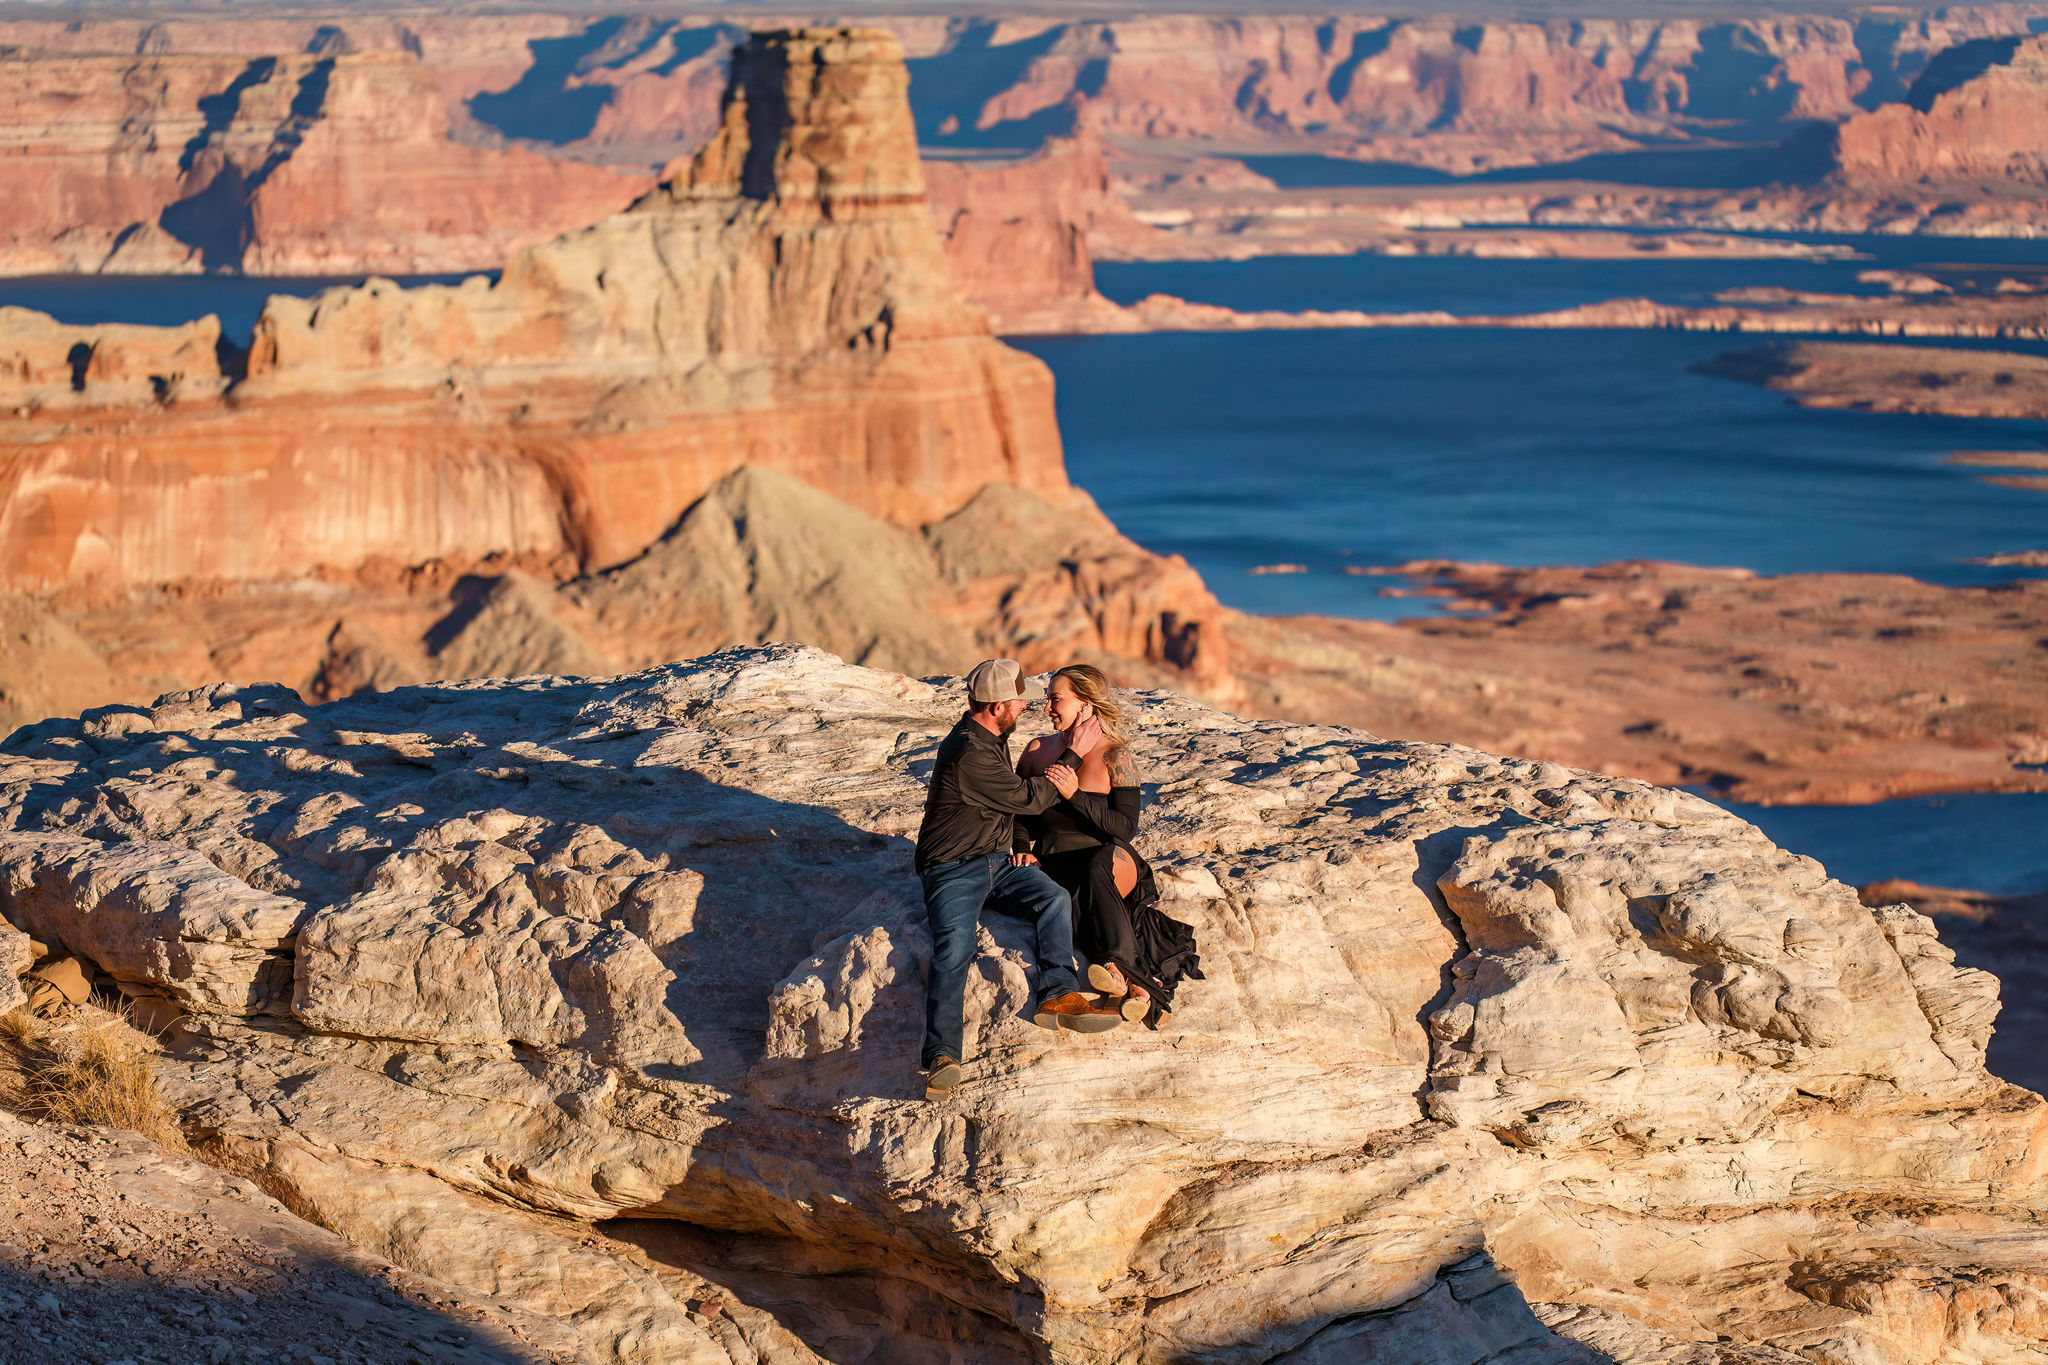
{"type": "Point", "coordinates": [1110, 875]}
{"type": "Point", "coordinates": [1126, 873]}
{"type": "Point", "coordinates": [1109, 920]}
{"type": "Point", "coordinates": [1070, 870]}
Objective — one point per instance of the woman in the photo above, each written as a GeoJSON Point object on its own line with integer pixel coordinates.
{"type": "Point", "coordinates": [1084, 843]}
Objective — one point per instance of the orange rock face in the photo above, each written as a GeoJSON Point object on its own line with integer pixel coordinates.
{"type": "Point", "coordinates": [1018, 234]}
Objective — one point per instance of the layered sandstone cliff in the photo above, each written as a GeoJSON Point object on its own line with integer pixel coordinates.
{"type": "Point", "coordinates": [1975, 117]}
{"type": "Point", "coordinates": [291, 163]}
{"type": "Point", "coordinates": [1461, 93]}
{"type": "Point", "coordinates": [381, 464]}
{"type": "Point", "coordinates": [604, 998]}
{"type": "Point", "coordinates": [782, 301]}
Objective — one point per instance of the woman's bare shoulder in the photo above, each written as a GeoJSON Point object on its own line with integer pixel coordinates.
{"type": "Point", "coordinates": [1122, 765]}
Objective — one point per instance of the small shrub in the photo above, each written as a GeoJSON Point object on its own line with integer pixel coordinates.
{"type": "Point", "coordinates": [95, 1068]}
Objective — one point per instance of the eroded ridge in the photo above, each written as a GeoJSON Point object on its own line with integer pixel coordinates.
{"type": "Point", "coordinates": [604, 997]}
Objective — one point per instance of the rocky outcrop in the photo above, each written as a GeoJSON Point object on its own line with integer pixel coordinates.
{"type": "Point", "coordinates": [281, 163]}
{"type": "Point", "coordinates": [606, 1000]}
{"type": "Point", "coordinates": [1974, 117]}
{"type": "Point", "coordinates": [2011, 934]}
{"type": "Point", "coordinates": [47, 367]}
{"type": "Point", "coordinates": [1833, 374]}
{"type": "Point", "coordinates": [781, 301]}
{"type": "Point", "coordinates": [1020, 235]}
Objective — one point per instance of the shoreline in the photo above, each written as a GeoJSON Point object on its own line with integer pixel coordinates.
{"type": "Point", "coordinates": [1811, 315]}
{"type": "Point", "coordinates": [1804, 689]}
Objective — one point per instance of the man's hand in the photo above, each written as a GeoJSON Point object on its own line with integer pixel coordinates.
{"type": "Point", "coordinates": [1086, 734]}
{"type": "Point", "coordinates": [1064, 778]}
{"type": "Point", "coordinates": [1023, 860]}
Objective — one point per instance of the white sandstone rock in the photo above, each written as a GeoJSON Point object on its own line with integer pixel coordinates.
{"type": "Point", "coordinates": [606, 996]}
{"type": "Point", "coordinates": [156, 916]}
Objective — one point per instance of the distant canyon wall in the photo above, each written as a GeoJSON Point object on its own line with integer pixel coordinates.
{"type": "Point", "coordinates": [445, 143]}
{"type": "Point", "coordinates": [1443, 92]}
{"type": "Point", "coordinates": [1453, 93]}
{"type": "Point", "coordinates": [1979, 115]}
{"type": "Point", "coordinates": [272, 164]}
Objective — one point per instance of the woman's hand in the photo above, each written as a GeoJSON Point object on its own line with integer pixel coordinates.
{"type": "Point", "coordinates": [1023, 860]}
{"type": "Point", "coordinates": [1085, 736]}
{"type": "Point", "coordinates": [1064, 779]}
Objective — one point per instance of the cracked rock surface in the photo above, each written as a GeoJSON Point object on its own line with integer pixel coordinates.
{"type": "Point", "coordinates": [603, 997]}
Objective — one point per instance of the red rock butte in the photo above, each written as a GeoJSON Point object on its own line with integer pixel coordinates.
{"type": "Point", "coordinates": [781, 301]}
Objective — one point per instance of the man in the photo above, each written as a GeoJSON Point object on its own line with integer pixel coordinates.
{"type": "Point", "coordinates": [964, 861]}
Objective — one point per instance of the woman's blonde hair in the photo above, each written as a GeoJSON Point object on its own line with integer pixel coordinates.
{"type": "Point", "coordinates": [1091, 685]}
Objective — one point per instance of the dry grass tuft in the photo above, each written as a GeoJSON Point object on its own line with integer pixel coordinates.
{"type": "Point", "coordinates": [94, 1068]}
{"type": "Point", "coordinates": [18, 1028]}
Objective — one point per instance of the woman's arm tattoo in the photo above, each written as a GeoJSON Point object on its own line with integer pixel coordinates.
{"type": "Point", "coordinates": [1123, 769]}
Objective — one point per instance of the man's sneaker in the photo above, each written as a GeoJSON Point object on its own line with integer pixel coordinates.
{"type": "Point", "coordinates": [1077, 1012]}
{"type": "Point", "coordinates": [940, 1080]}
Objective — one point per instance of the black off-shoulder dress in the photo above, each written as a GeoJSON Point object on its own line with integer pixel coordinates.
{"type": "Point", "coordinates": [1076, 842]}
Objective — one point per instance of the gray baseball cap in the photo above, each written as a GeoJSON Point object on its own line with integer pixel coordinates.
{"type": "Point", "coordinates": [1001, 680]}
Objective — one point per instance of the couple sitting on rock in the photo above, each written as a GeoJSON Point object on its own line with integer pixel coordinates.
{"type": "Point", "coordinates": [1048, 839]}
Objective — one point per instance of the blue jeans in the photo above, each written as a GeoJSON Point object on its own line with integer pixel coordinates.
{"type": "Point", "coordinates": [954, 894]}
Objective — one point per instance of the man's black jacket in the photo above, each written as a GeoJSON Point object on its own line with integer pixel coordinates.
{"type": "Point", "coordinates": [975, 792]}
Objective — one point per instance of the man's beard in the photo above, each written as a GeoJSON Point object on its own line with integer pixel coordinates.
{"type": "Point", "coordinates": [1005, 724]}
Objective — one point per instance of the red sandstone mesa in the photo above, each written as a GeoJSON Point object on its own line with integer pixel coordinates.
{"type": "Point", "coordinates": [781, 303]}
{"type": "Point", "coordinates": [783, 306]}
{"type": "Point", "coordinates": [1020, 235]}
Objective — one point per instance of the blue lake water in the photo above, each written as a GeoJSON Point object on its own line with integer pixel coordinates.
{"type": "Point", "coordinates": [1337, 448]}
{"type": "Point", "coordinates": [1331, 449]}
{"type": "Point", "coordinates": [1981, 841]}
